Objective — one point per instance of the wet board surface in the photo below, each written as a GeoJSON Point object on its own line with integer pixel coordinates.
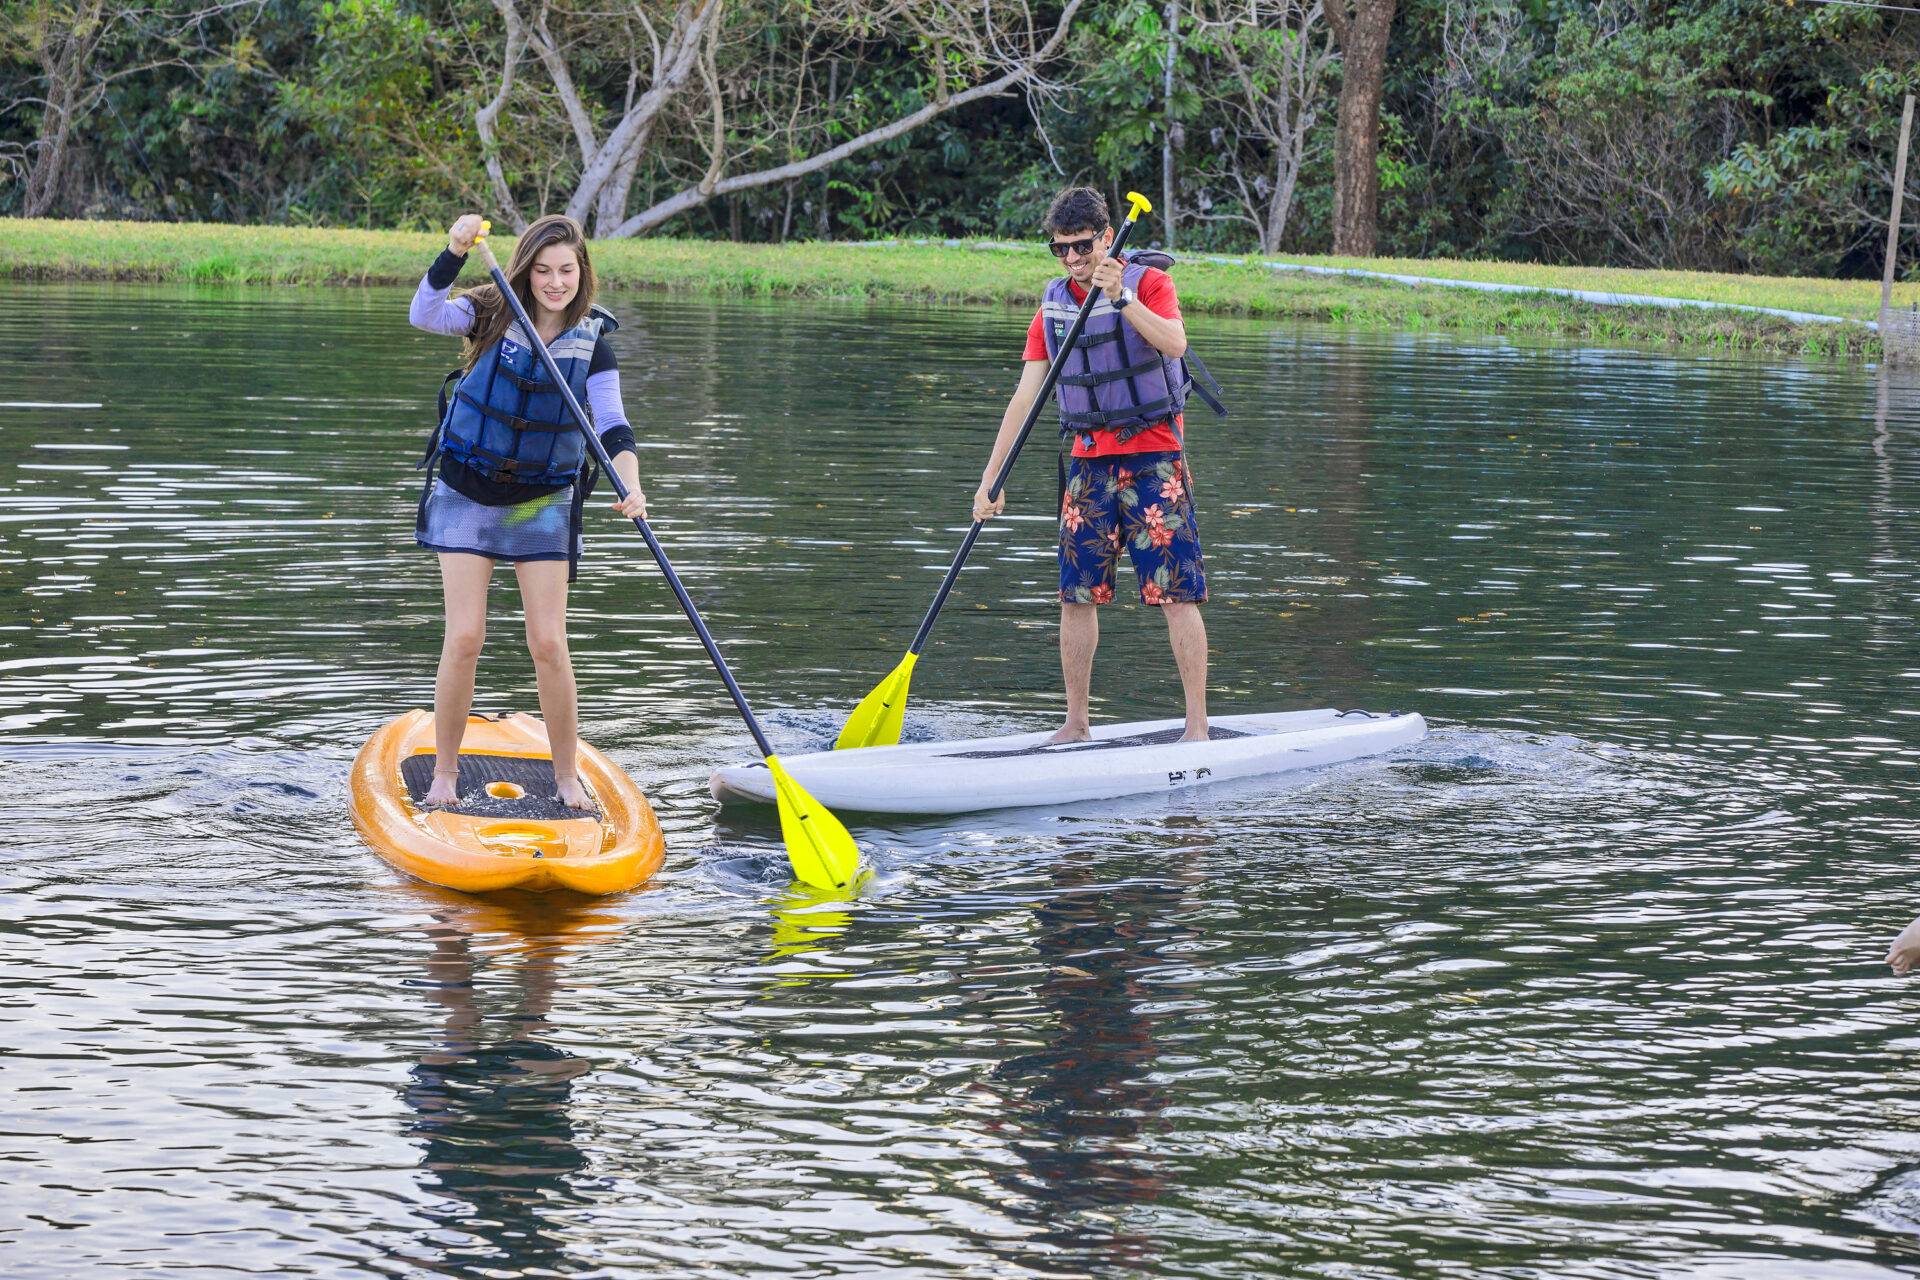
{"type": "Point", "coordinates": [478, 770]}
{"type": "Point", "coordinates": [1215, 733]}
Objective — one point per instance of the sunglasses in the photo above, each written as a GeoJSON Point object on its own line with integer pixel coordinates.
{"type": "Point", "coordinates": [1061, 248]}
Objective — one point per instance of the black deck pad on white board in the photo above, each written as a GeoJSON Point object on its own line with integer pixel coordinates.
{"type": "Point", "coordinates": [532, 774]}
{"type": "Point", "coordinates": [1159, 738]}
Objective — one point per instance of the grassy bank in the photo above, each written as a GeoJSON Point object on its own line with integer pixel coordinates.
{"type": "Point", "coordinates": [988, 273]}
{"type": "Point", "coordinates": [1854, 299]}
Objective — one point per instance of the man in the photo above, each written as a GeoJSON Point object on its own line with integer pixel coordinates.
{"type": "Point", "coordinates": [1121, 393]}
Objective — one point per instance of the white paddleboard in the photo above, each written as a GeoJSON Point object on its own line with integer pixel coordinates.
{"type": "Point", "coordinates": [1122, 760]}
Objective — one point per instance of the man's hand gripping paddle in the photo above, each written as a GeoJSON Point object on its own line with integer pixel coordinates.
{"type": "Point", "coordinates": [876, 721]}
{"type": "Point", "coordinates": [823, 854]}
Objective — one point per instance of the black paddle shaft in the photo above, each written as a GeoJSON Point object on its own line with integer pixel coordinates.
{"type": "Point", "coordinates": [606, 464]}
{"type": "Point", "coordinates": [1013, 454]}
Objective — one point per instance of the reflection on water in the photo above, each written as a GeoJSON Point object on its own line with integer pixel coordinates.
{"type": "Point", "coordinates": [491, 1101]}
{"type": "Point", "coordinates": [1586, 985]}
{"type": "Point", "coordinates": [1082, 1101]}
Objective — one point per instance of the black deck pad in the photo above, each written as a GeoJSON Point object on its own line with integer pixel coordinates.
{"type": "Point", "coordinates": [532, 774]}
{"type": "Point", "coordinates": [1159, 738]}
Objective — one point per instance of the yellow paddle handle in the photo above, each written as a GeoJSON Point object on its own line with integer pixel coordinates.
{"type": "Point", "coordinates": [480, 243]}
{"type": "Point", "coordinates": [1139, 202]}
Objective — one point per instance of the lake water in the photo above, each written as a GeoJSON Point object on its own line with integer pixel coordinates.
{"type": "Point", "coordinates": [1587, 984]}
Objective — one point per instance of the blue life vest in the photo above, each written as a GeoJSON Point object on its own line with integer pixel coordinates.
{"type": "Point", "coordinates": [1114, 379]}
{"type": "Point", "coordinates": [507, 422]}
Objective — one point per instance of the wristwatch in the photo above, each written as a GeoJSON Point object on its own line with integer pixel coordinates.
{"type": "Point", "coordinates": [1120, 303]}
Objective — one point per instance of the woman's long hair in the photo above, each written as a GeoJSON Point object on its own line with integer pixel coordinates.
{"type": "Point", "coordinates": [492, 315]}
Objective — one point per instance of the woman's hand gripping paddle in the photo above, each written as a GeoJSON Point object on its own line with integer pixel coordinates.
{"type": "Point", "coordinates": [823, 854]}
{"type": "Point", "coordinates": [877, 720]}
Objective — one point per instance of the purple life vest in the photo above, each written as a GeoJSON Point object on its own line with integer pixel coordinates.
{"type": "Point", "coordinates": [1114, 379]}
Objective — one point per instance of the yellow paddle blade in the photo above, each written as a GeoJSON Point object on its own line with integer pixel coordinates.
{"type": "Point", "coordinates": [876, 721]}
{"type": "Point", "coordinates": [822, 853]}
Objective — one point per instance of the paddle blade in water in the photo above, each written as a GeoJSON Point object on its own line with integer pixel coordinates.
{"type": "Point", "coordinates": [877, 720]}
{"type": "Point", "coordinates": [822, 853]}
{"type": "Point", "coordinates": [808, 919]}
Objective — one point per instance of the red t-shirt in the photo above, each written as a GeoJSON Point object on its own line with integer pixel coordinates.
{"type": "Point", "coordinates": [1156, 295]}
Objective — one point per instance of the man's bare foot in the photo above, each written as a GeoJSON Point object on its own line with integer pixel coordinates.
{"type": "Point", "coordinates": [1195, 735]}
{"type": "Point", "coordinates": [445, 789]}
{"type": "Point", "coordinates": [1071, 733]}
{"type": "Point", "coordinates": [572, 794]}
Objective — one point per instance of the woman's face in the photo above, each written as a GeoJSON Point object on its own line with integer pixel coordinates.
{"type": "Point", "coordinates": [555, 277]}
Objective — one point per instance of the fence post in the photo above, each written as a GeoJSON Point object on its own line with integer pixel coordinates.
{"type": "Point", "coordinates": [1907, 342]}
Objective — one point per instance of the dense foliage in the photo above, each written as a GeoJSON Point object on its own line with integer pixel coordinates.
{"type": "Point", "coordinates": [1745, 135]}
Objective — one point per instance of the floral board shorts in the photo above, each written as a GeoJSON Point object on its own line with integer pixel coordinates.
{"type": "Point", "coordinates": [1139, 501]}
{"type": "Point", "coordinates": [542, 528]}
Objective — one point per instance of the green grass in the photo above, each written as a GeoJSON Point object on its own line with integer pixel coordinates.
{"type": "Point", "coordinates": [986, 273]}
{"type": "Point", "coordinates": [1854, 299]}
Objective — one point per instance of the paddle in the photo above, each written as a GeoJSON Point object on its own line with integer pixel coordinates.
{"type": "Point", "coordinates": [822, 853]}
{"type": "Point", "coordinates": [877, 720]}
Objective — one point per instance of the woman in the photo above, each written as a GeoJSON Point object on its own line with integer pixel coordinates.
{"type": "Point", "coordinates": [511, 464]}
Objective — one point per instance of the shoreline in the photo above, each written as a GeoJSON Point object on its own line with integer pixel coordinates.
{"type": "Point", "coordinates": [1005, 273]}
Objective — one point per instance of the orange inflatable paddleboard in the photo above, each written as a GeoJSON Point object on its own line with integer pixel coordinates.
{"type": "Point", "coordinates": [509, 830]}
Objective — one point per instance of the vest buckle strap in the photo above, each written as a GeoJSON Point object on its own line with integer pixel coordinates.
{"type": "Point", "coordinates": [1151, 412]}
{"type": "Point", "coordinates": [509, 420]}
{"type": "Point", "coordinates": [1115, 375]}
{"type": "Point", "coordinates": [504, 470]}
{"type": "Point", "coordinates": [1201, 380]}
{"type": "Point", "coordinates": [532, 386]}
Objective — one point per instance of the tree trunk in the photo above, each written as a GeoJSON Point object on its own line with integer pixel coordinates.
{"type": "Point", "coordinates": [1361, 27]}
{"type": "Point", "coordinates": [1269, 94]}
{"type": "Point", "coordinates": [610, 206]}
{"type": "Point", "coordinates": [1286, 173]}
{"type": "Point", "coordinates": [50, 161]}
{"type": "Point", "coordinates": [1166, 124]}
{"type": "Point", "coordinates": [694, 25]}
{"type": "Point", "coordinates": [487, 115]}
{"type": "Point", "coordinates": [65, 53]}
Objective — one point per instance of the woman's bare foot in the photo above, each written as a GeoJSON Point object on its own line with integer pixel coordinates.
{"type": "Point", "coordinates": [1071, 733]}
{"type": "Point", "coordinates": [1906, 950]}
{"type": "Point", "coordinates": [445, 789]}
{"type": "Point", "coordinates": [572, 794]}
{"type": "Point", "coordinates": [1195, 734]}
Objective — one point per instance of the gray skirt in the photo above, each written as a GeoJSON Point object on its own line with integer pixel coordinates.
{"type": "Point", "coordinates": [542, 528]}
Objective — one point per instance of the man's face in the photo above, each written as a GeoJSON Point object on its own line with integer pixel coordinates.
{"type": "Point", "coordinates": [1077, 251]}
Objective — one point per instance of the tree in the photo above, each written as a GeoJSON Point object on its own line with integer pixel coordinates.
{"type": "Point", "coordinates": [1810, 193]}
{"type": "Point", "coordinates": [79, 49]}
{"type": "Point", "coordinates": [1268, 61]}
{"type": "Point", "coordinates": [1361, 27]}
{"type": "Point", "coordinates": [1610, 155]}
{"type": "Point", "coordinates": [1456, 63]}
{"type": "Point", "coordinates": [674, 67]}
